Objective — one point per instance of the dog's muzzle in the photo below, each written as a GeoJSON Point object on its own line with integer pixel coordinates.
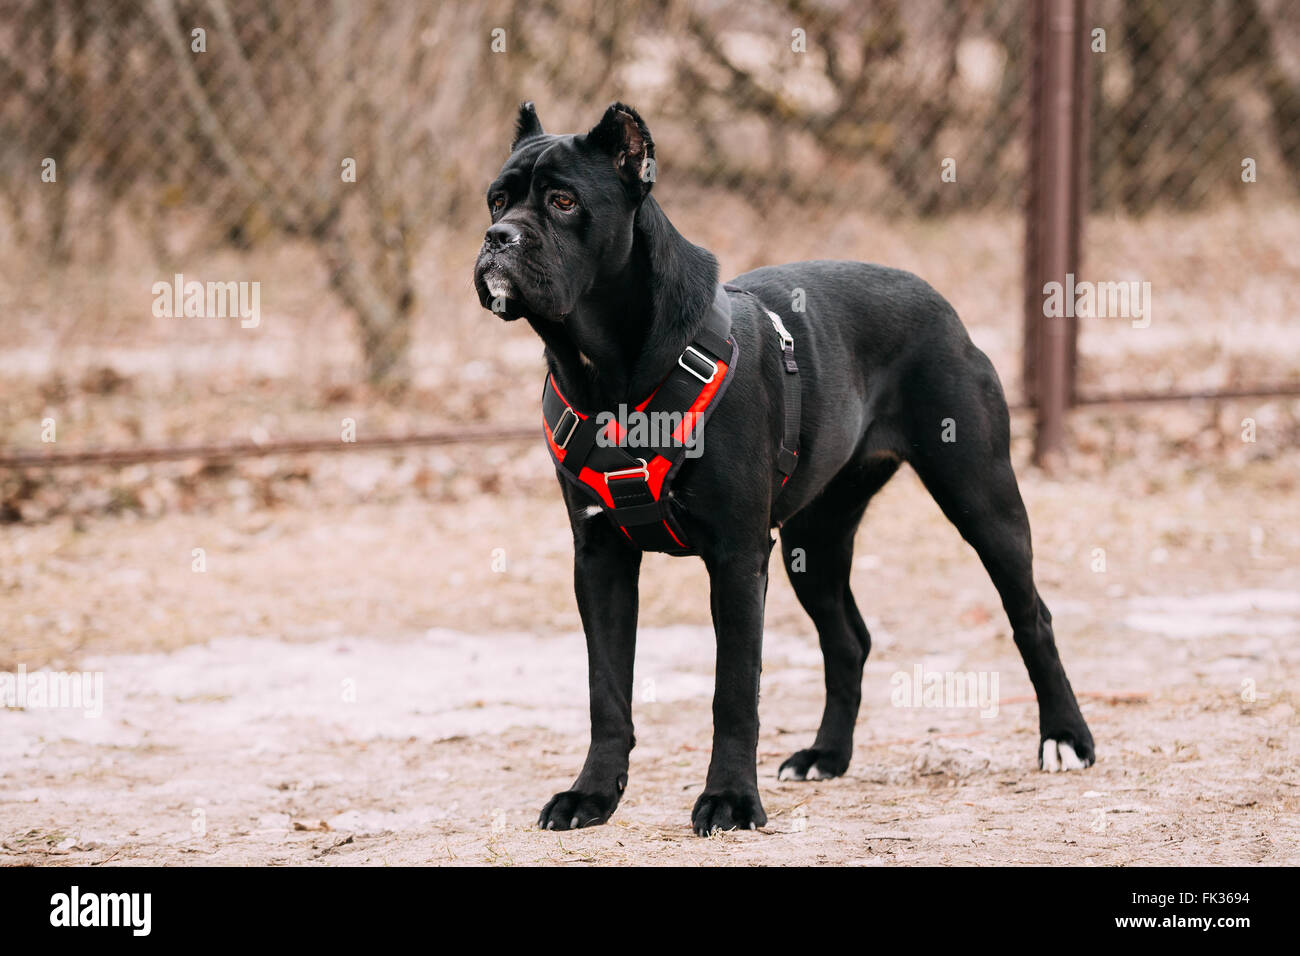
{"type": "Point", "coordinates": [500, 240]}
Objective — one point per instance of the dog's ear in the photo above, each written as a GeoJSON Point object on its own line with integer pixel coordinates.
{"type": "Point", "coordinates": [624, 136]}
{"type": "Point", "coordinates": [527, 125]}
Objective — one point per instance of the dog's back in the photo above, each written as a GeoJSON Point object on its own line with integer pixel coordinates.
{"type": "Point", "coordinates": [863, 333]}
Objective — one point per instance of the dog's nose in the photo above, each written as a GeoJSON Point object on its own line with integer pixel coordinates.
{"type": "Point", "coordinates": [501, 235]}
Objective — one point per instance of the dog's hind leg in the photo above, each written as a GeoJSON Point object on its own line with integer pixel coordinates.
{"type": "Point", "coordinates": [959, 446]}
{"type": "Point", "coordinates": [817, 545]}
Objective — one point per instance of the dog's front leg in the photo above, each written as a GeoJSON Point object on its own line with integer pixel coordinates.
{"type": "Point", "coordinates": [605, 572]}
{"type": "Point", "coordinates": [738, 584]}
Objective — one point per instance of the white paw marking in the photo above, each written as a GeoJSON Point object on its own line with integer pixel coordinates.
{"type": "Point", "coordinates": [1051, 759]}
{"type": "Point", "coordinates": [591, 511]}
{"type": "Point", "coordinates": [1069, 759]}
{"type": "Point", "coordinates": [815, 774]}
{"type": "Point", "coordinates": [788, 773]}
{"type": "Point", "coordinates": [1059, 756]}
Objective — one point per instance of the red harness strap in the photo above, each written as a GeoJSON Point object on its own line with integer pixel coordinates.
{"type": "Point", "coordinates": [630, 473]}
{"type": "Point", "coordinates": [628, 465]}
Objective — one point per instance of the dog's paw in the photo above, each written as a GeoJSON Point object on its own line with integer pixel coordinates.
{"type": "Point", "coordinates": [813, 765]}
{"type": "Point", "coordinates": [727, 810]}
{"type": "Point", "coordinates": [574, 809]}
{"type": "Point", "coordinates": [1059, 752]}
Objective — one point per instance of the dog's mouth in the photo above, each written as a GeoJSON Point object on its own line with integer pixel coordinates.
{"type": "Point", "coordinates": [499, 285]}
{"type": "Point", "coordinates": [498, 291]}
{"type": "Point", "coordinates": [510, 290]}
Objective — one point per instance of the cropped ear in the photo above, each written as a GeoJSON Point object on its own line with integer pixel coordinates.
{"type": "Point", "coordinates": [527, 125]}
{"type": "Point", "coordinates": [623, 134]}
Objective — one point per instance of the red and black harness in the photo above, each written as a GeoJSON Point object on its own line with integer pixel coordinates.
{"type": "Point", "coordinates": [631, 485]}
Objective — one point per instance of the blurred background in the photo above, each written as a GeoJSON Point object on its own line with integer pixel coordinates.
{"type": "Point", "coordinates": [214, 139]}
{"type": "Point", "coordinates": [225, 164]}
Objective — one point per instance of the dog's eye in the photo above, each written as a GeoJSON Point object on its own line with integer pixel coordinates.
{"type": "Point", "coordinates": [497, 202]}
{"type": "Point", "coordinates": [563, 202]}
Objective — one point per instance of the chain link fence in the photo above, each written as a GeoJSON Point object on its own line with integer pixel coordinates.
{"type": "Point", "coordinates": [356, 130]}
{"type": "Point", "coordinates": [334, 154]}
{"type": "Point", "coordinates": [1183, 93]}
{"type": "Point", "coordinates": [1192, 190]}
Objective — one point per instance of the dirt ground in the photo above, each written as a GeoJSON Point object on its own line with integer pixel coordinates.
{"type": "Point", "coordinates": [381, 660]}
{"type": "Point", "coordinates": [367, 683]}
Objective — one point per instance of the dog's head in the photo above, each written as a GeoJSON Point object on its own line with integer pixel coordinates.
{"type": "Point", "coordinates": [563, 210]}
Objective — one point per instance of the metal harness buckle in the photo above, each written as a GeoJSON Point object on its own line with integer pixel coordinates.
{"type": "Point", "coordinates": [555, 432]}
{"type": "Point", "coordinates": [642, 472]}
{"type": "Point", "coordinates": [787, 340]}
{"type": "Point", "coordinates": [711, 365]}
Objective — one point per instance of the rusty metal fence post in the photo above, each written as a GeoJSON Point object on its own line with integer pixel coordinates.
{"type": "Point", "coordinates": [1054, 214]}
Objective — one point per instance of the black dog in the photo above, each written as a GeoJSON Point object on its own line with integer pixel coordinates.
{"type": "Point", "coordinates": [887, 374]}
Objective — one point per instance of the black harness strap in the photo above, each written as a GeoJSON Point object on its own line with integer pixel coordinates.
{"type": "Point", "coordinates": [788, 457]}
{"type": "Point", "coordinates": [789, 454]}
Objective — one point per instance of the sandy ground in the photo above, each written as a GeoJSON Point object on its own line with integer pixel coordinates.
{"type": "Point", "coordinates": [356, 678]}
{"type": "Point", "coordinates": [357, 685]}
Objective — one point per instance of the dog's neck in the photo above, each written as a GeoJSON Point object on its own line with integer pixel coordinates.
{"type": "Point", "coordinates": [624, 335]}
